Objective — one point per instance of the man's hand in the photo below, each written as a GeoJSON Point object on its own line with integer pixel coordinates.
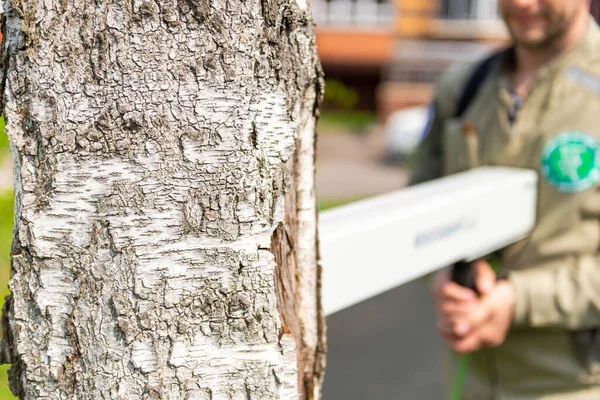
{"type": "Point", "coordinates": [453, 300]}
{"type": "Point", "coordinates": [468, 323]}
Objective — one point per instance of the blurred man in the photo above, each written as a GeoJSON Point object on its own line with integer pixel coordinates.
{"type": "Point", "coordinates": [536, 333]}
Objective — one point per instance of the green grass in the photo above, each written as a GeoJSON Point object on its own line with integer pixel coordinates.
{"type": "Point", "coordinates": [326, 204]}
{"type": "Point", "coordinates": [357, 121]}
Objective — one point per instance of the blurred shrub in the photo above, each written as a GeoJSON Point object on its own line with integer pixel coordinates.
{"type": "Point", "coordinates": [355, 121]}
{"type": "Point", "coordinates": [338, 111]}
{"type": "Point", "coordinates": [6, 223]}
{"type": "Point", "coordinates": [3, 137]}
{"type": "Point", "coordinates": [339, 96]}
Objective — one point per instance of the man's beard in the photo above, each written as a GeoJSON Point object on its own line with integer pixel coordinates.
{"type": "Point", "coordinates": [557, 30]}
{"type": "Point", "coordinates": [543, 43]}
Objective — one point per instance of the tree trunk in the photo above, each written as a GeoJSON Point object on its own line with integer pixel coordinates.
{"type": "Point", "coordinates": [165, 220]}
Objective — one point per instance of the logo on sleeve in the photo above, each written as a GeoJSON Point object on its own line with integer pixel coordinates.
{"type": "Point", "coordinates": [571, 161]}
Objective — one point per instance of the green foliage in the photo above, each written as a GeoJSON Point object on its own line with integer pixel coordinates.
{"type": "Point", "coordinates": [3, 137]}
{"type": "Point", "coordinates": [5, 393]}
{"type": "Point", "coordinates": [6, 223]}
{"type": "Point", "coordinates": [339, 113]}
{"type": "Point", "coordinates": [338, 95]}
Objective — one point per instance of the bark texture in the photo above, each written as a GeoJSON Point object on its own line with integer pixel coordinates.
{"type": "Point", "coordinates": [165, 222]}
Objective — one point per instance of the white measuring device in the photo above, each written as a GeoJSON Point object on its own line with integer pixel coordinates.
{"type": "Point", "coordinates": [374, 245]}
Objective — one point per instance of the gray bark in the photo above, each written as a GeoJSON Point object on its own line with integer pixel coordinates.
{"type": "Point", "coordinates": [165, 220]}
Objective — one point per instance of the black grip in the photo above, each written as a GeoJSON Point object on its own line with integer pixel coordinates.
{"type": "Point", "coordinates": [464, 275]}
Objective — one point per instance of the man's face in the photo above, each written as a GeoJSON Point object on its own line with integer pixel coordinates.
{"type": "Point", "coordinates": [536, 23]}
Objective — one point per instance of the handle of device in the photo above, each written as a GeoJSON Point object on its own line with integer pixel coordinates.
{"type": "Point", "coordinates": [463, 274]}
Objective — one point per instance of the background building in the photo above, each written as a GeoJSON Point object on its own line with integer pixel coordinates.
{"type": "Point", "coordinates": [391, 51]}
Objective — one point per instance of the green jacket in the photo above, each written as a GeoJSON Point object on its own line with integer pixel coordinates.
{"type": "Point", "coordinates": [550, 351]}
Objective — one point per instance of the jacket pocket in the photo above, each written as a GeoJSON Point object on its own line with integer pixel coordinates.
{"type": "Point", "coordinates": [456, 152]}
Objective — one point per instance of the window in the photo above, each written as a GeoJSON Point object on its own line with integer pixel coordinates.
{"type": "Point", "coordinates": [470, 9]}
{"type": "Point", "coordinates": [361, 13]}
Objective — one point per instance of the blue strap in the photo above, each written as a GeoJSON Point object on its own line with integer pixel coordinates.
{"type": "Point", "coordinates": [478, 76]}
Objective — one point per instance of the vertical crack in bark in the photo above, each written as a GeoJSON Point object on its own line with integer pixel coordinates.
{"type": "Point", "coordinates": [321, 349]}
{"type": "Point", "coordinates": [296, 266]}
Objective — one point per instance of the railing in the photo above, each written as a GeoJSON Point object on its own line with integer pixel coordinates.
{"type": "Point", "coordinates": [354, 13]}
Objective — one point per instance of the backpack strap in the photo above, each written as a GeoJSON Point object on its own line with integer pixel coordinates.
{"type": "Point", "coordinates": [475, 81]}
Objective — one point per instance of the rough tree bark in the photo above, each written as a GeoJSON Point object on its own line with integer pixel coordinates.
{"type": "Point", "coordinates": [165, 222]}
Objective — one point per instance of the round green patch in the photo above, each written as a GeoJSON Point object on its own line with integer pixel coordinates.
{"type": "Point", "coordinates": [571, 161]}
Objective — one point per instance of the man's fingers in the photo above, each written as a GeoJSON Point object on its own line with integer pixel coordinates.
{"type": "Point", "coordinates": [451, 291]}
{"type": "Point", "coordinates": [479, 315]}
{"type": "Point", "coordinates": [462, 345]}
{"type": "Point", "coordinates": [453, 308]}
{"type": "Point", "coordinates": [439, 280]}
{"type": "Point", "coordinates": [499, 302]}
{"type": "Point", "coordinates": [455, 327]}
{"type": "Point", "coordinates": [485, 277]}
{"type": "Point", "coordinates": [471, 315]}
